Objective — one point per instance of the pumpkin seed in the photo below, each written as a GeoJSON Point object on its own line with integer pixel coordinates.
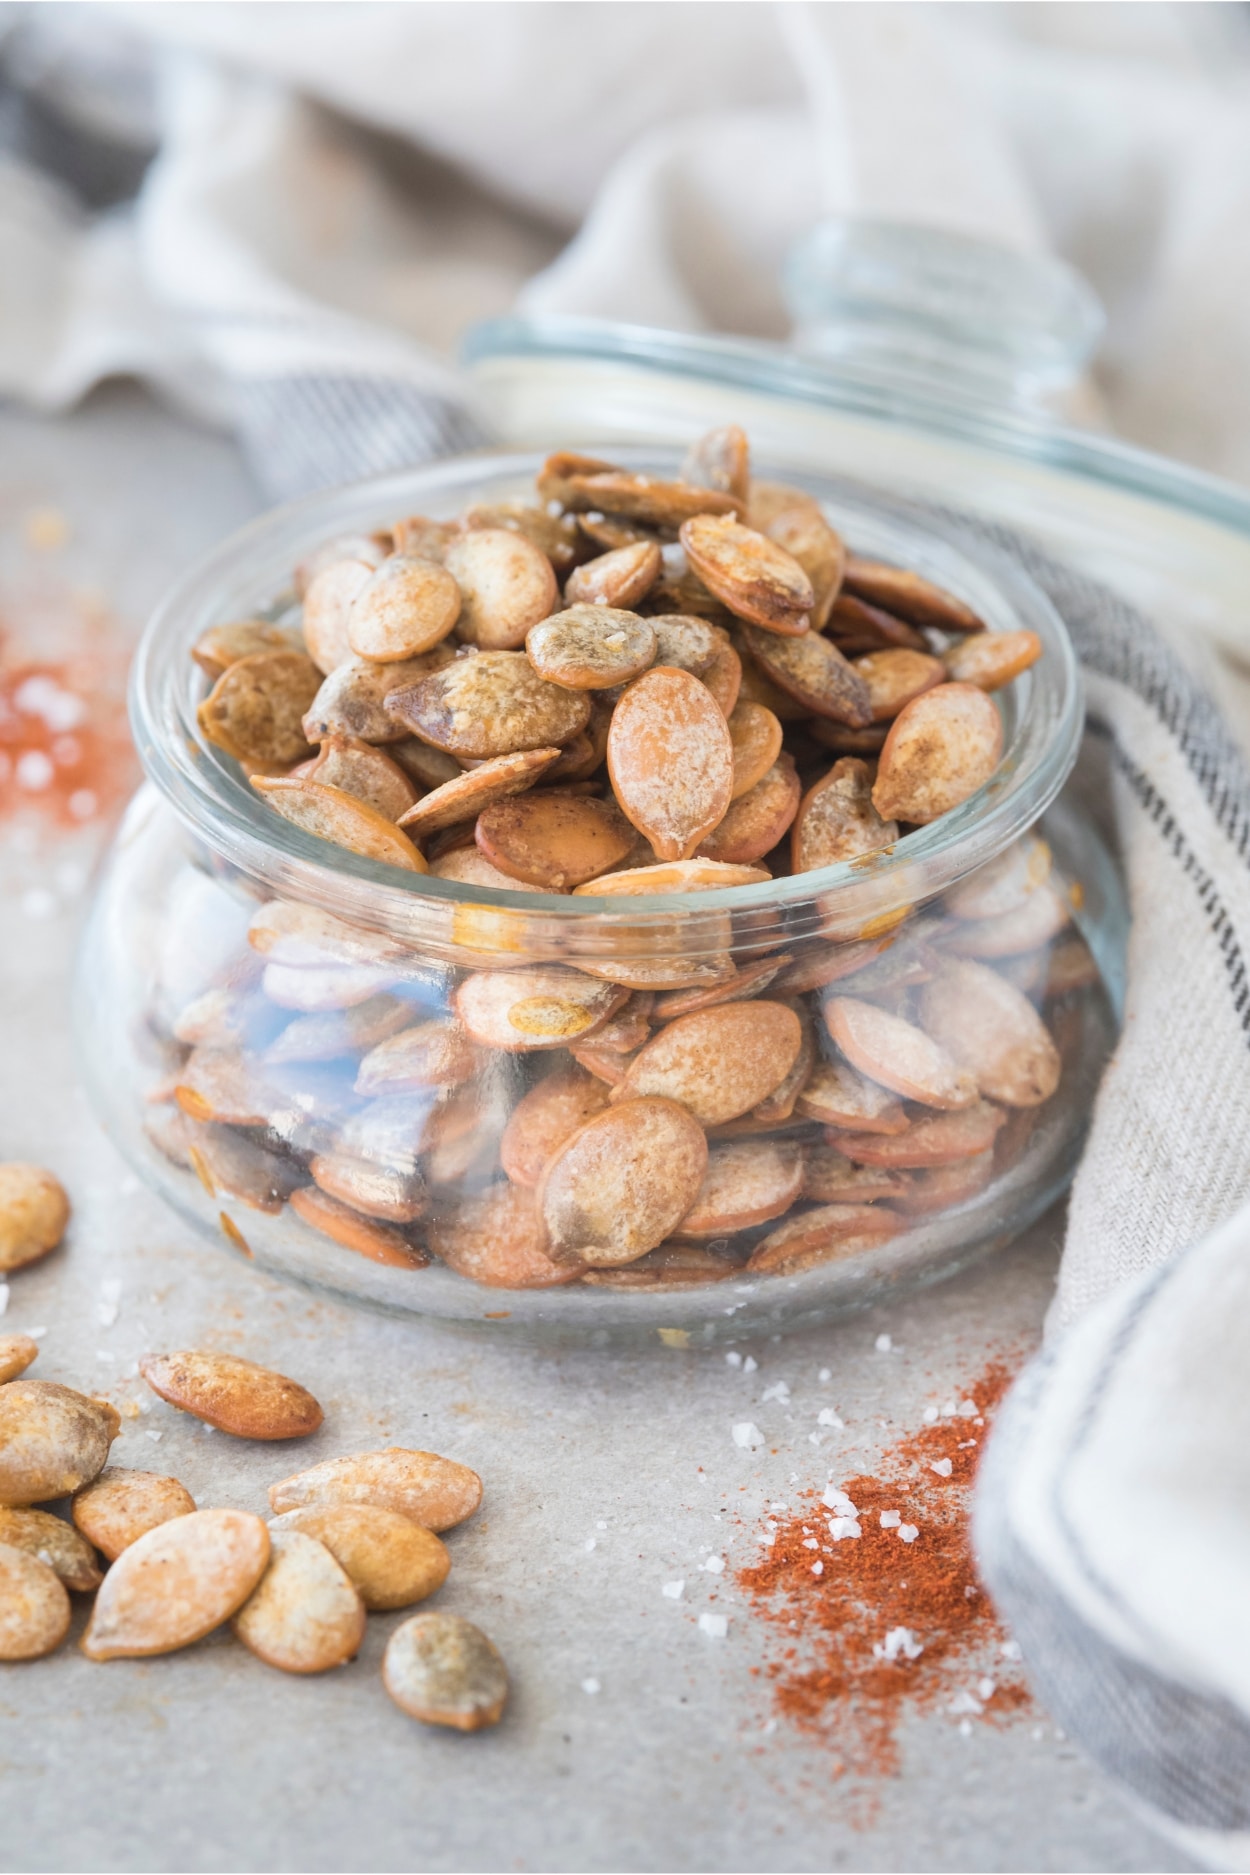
{"type": "Point", "coordinates": [718, 1063]}
{"type": "Point", "coordinates": [405, 608]}
{"type": "Point", "coordinates": [829, 1177]}
{"type": "Point", "coordinates": [16, 1354]}
{"type": "Point", "coordinates": [941, 748]}
{"type": "Point", "coordinates": [437, 1052]}
{"type": "Point", "coordinates": [836, 820]}
{"type": "Point", "coordinates": [553, 842]}
{"type": "Point", "coordinates": [894, 677]}
{"type": "Point", "coordinates": [543, 1006]}
{"type": "Point", "coordinates": [507, 584]}
{"type": "Point", "coordinates": [989, 1028]}
{"type": "Point", "coordinates": [592, 646]}
{"type": "Point", "coordinates": [720, 460]}
{"type": "Point", "coordinates": [558, 536]}
{"type": "Point", "coordinates": [826, 1235]}
{"type": "Point", "coordinates": [435, 1492]}
{"type": "Point", "coordinates": [909, 594]}
{"type": "Point", "coordinates": [442, 1669]}
{"type": "Point", "coordinates": [755, 734]}
{"type": "Point", "coordinates": [329, 1034]}
{"type": "Point", "coordinates": [34, 1608]}
{"type": "Point", "coordinates": [52, 1440]}
{"type": "Point", "coordinates": [853, 621]}
{"type": "Point", "coordinates": [493, 703]}
{"type": "Point", "coordinates": [897, 1055]}
{"type": "Point", "coordinates": [327, 605]}
{"type": "Point", "coordinates": [938, 1139]}
{"type": "Point", "coordinates": [357, 768]}
{"type": "Point", "coordinates": [619, 578]}
{"type": "Point", "coordinates": [351, 1230]}
{"type": "Point", "coordinates": [1030, 925]}
{"type": "Point", "coordinates": [353, 699]}
{"type": "Point", "coordinates": [497, 1239]}
{"type": "Point", "coordinates": [839, 1096]}
{"type": "Point", "coordinates": [755, 823]}
{"type": "Point", "coordinates": [645, 498]}
{"type": "Point", "coordinates": [814, 672]}
{"type": "Point", "coordinates": [176, 1583]}
{"type": "Point", "coordinates": [34, 1213]}
{"type": "Point", "coordinates": [120, 1506]}
{"type": "Point", "coordinates": [819, 549]}
{"type": "Point", "coordinates": [746, 1183]}
{"type": "Point", "coordinates": [686, 643]}
{"type": "Point", "coordinates": [235, 1395]}
{"type": "Point", "coordinates": [1004, 883]}
{"type": "Point", "coordinates": [621, 1183]}
{"type": "Point", "coordinates": [466, 795]}
{"type": "Point", "coordinates": [391, 1561]}
{"type": "Point", "coordinates": [544, 1118]}
{"type": "Point", "coordinates": [381, 1191]}
{"type": "Point", "coordinates": [372, 549]}
{"type": "Point", "coordinates": [671, 761]}
{"type": "Point", "coordinates": [54, 1542]}
{"type": "Point", "coordinates": [223, 645]}
{"type": "Point", "coordinates": [343, 820]}
{"type": "Point", "coordinates": [255, 709]}
{"type": "Point", "coordinates": [749, 573]}
{"type": "Point", "coordinates": [304, 1615]}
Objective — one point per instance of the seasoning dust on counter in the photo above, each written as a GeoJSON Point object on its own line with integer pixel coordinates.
{"type": "Point", "coordinates": [870, 1594]}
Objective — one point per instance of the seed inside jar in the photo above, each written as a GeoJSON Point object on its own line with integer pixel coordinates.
{"type": "Point", "coordinates": [637, 686]}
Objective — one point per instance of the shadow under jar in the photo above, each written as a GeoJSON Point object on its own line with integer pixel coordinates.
{"type": "Point", "coordinates": [313, 1056]}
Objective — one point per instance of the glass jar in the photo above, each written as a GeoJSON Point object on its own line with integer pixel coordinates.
{"type": "Point", "coordinates": [226, 950]}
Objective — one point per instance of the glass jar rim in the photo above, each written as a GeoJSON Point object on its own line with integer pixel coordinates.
{"type": "Point", "coordinates": [249, 574]}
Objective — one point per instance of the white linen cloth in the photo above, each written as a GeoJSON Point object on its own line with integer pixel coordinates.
{"type": "Point", "coordinates": [332, 192]}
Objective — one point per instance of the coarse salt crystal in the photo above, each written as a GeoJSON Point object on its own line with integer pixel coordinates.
{"type": "Point", "coordinates": [930, 1415]}
{"type": "Point", "coordinates": [890, 1520]}
{"type": "Point", "coordinates": [716, 1627]}
{"type": "Point", "coordinates": [715, 1565]}
{"type": "Point", "coordinates": [836, 1500]}
{"type": "Point", "coordinates": [37, 1334]}
{"type": "Point", "coordinates": [155, 1437]}
{"type": "Point", "coordinates": [908, 1532]}
{"type": "Point", "coordinates": [783, 1508]}
{"type": "Point", "coordinates": [883, 1344]}
{"type": "Point", "coordinates": [827, 1417]}
{"type": "Point", "coordinates": [779, 1391]}
{"type": "Point", "coordinates": [750, 1365]}
{"type": "Point", "coordinates": [986, 1689]}
{"type": "Point", "coordinates": [897, 1641]}
{"type": "Point", "coordinates": [590, 1543]}
{"type": "Point", "coordinates": [949, 1410]}
{"type": "Point", "coordinates": [1010, 1650]}
{"type": "Point", "coordinates": [811, 1542]}
{"type": "Point", "coordinates": [826, 1373]}
{"type": "Point", "coordinates": [4, 1297]}
{"type": "Point", "coordinates": [967, 1409]}
{"type": "Point", "coordinates": [747, 1435]}
{"type": "Point", "coordinates": [815, 1438]}
{"type": "Point", "coordinates": [734, 1358]}
{"type": "Point", "coordinates": [818, 1569]}
{"type": "Point", "coordinates": [965, 1728]}
{"type": "Point", "coordinates": [674, 1590]}
{"type": "Point", "coordinates": [601, 1525]}
{"type": "Point", "coordinates": [942, 1466]}
{"type": "Point", "coordinates": [33, 771]}
{"type": "Point", "coordinates": [964, 1702]}
{"type": "Point", "coordinates": [590, 1686]}
{"type": "Point", "coordinates": [107, 1313]}
{"type": "Point", "coordinates": [843, 1527]}
{"type": "Point", "coordinates": [768, 1539]}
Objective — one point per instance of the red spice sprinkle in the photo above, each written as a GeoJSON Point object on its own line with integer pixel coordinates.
{"type": "Point", "coordinates": [65, 752]}
{"type": "Point", "coordinates": [831, 1684]}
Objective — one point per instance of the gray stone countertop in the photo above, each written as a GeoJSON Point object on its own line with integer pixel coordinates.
{"type": "Point", "coordinates": [607, 1473]}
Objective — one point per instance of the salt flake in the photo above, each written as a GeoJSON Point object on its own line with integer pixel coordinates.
{"type": "Point", "coordinates": [942, 1466]}
{"type": "Point", "coordinates": [898, 1641]}
{"type": "Point", "coordinates": [750, 1365]}
{"type": "Point", "coordinates": [843, 1527]}
{"type": "Point", "coordinates": [715, 1565]}
{"type": "Point", "coordinates": [827, 1417]}
{"type": "Point", "coordinates": [1010, 1650]}
{"type": "Point", "coordinates": [908, 1532]}
{"type": "Point", "coordinates": [716, 1627]}
{"type": "Point", "coordinates": [930, 1415]}
{"type": "Point", "coordinates": [733, 1357]}
{"type": "Point", "coordinates": [986, 1689]}
{"type": "Point", "coordinates": [836, 1500]}
{"type": "Point", "coordinates": [883, 1344]}
{"type": "Point", "coordinates": [747, 1435]}
{"type": "Point", "coordinates": [779, 1391]}
{"type": "Point", "coordinates": [890, 1520]}
{"type": "Point", "coordinates": [818, 1569]}
{"type": "Point", "coordinates": [590, 1686]}
{"type": "Point", "coordinates": [674, 1590]}
{"type": "Point", "coordinates": [826, 1373]}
